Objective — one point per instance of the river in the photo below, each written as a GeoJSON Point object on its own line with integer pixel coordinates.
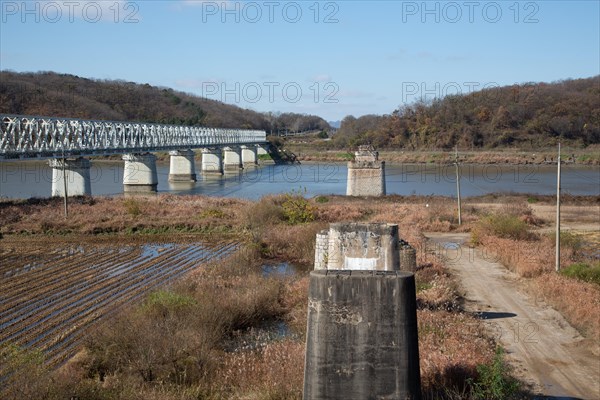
{"type": "Point", "coordinates": [20, 180]}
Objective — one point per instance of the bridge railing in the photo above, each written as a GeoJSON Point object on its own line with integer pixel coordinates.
{"type": "Point", "coordinates": [33, 137]}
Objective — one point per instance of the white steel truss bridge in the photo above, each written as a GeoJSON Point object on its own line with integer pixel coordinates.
{"type": "Point", "coordinates": [32, 137]}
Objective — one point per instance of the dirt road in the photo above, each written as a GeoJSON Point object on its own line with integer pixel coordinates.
{"type": "Point", "coordinates": [546, 351]}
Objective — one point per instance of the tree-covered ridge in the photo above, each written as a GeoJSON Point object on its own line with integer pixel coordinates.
{"type": "Point", "coordinates": [529, 115]}
{"type": "Point", "coordinates": [62, 95]}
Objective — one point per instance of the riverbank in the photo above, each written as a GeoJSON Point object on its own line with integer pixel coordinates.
{"type": "Point", "coordinates": [588, 156]}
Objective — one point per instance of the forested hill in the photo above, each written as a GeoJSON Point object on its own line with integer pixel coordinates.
{"type": "Point", "coordinates": [52, 94]}
{"type": "Point", "coordinates": [527, 116]}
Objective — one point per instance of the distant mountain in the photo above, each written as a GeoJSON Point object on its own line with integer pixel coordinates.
{"type": "Point", "coordinates": [532, 115]}
{"type": "Point", "coordinates": [61, 95]}
{"type": "Point", "coordinates": [335, 124]}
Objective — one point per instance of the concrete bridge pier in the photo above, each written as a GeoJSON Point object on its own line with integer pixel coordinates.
{"type": "Point", "coordinates": [262, 149]}
{"type": "Point", "coordinates": [362, 332]}
{"type": "Point", "coordinates": [358, 246]}
{"type": "Point", "coordinates": [182, 167]}
{"type": "Point", "coordinates": [212, 161]}
{"type": "Point", "coordinates": [139, 173]}
{"type": "Point", "coordinates": [77, 172]}
{"type": "Point", "coordinates": [249, 157]}
{"type": "Point", "coordinates": [232, 159]}
{"type": "Point", "coordinates": [366, 174]}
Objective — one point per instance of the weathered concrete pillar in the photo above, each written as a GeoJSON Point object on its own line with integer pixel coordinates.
{"type": "Point", "coordinates": [362, 338]}
{"type": "Point", "coordinates": [77, 172]}
{"type": "Point", "coordinates": [408, 257]}
{"type": "Point", "coordinates": [212, 161]}
{"type": "Point", "coordinates": [357, 246]}
{"type": "Point", "coordinates": [139, 173]}
{"type": "Point", "coordinates": [249, 157]}
{"type": "Point", "coordinates": [262, 149]}
{"type": "Point", "coordinates": [321, 249]}
{"type": "Point", "coordinates": [366, 174]}
{"type": "Point", "coordinates": [232, 160]}
{"type": "Point", "coordinates": [182, 166]}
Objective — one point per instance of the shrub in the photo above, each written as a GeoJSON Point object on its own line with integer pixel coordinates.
{"type": "Point", "coordinates": [267, 211]}
{"type": "Point", "coordinates": [570, 241]}
{"type": "Point", "coordinates": [23, 373]}
{"type": "Point", "coordinates": [583, 272]}
{"type": "Point", "coordinates": [212, 213]}
{"type": "Point", "coordinates": [493, 381]}
{"type": "Point", "coordinates": [163, 302]}
{"type": "Point", "coordinates": [505, 226]}
{"type": "Point", "coordinates": [297, 210]}
{"type": "Point", "coordinates": [132, 206]}
{"type": "Point", "coordinates": [322, 199]}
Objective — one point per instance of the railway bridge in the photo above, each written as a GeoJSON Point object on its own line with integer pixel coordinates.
{"type": "Point", "coordinates": [69, 143]}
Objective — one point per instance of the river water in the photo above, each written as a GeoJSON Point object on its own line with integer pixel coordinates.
{"type": "Point", "coordinates": [34, 179]}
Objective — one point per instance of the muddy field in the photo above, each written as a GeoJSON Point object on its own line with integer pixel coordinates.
{"type": "Point", "coordinates": [51, 296]}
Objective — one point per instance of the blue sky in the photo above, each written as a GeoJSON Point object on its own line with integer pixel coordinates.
{"type": "Point", "coordinates": [332, 59]}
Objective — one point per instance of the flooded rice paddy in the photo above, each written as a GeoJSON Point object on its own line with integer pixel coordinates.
{"type": "Point", "coordinates": [49, 299]}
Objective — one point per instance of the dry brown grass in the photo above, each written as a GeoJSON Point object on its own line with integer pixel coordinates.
{"type": "Point", "coordinates": [578, 302]}
{"type": "Point", "coordinates": [294, 243]}
{"type": "Point", "coordinates": [274, 372]}
{"type": "Point", "coordinates": [451, 345]}
{"type": "Point", "coordinates": [118, 215]}
{"type": "Point", "coordinates": [526, 258]}
{"type": "Point", "coordinates": [295, 301]}
{"type": "Point", "coordinates": [423, 213]}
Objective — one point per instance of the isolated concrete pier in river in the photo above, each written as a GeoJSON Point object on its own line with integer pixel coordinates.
{"type": "Point", "coordinates": [362, 336]}
{"type": "Point", "coordinates": [366, 173]}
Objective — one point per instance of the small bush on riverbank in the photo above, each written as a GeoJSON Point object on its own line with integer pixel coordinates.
{"type": "Point", "coordinates": [297, 209]}
{"type": "Point", "coordinates": [502, 226]}
{"type": "Point", "coordinates": [584, 272]}
{"type": "Point", "coordinates": [494, 381]}
{"type": "Point", "coordinates": [569, 241]}
{"type": "Point", "coordinates": [132, 206]}
{"type": "Point", "coordinates": [267, 211]}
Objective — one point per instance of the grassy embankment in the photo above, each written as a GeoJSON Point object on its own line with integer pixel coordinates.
{"type": "Point", "coordinates": [587, 156]}
{"type": "Point", "coordinates": [204, 337]}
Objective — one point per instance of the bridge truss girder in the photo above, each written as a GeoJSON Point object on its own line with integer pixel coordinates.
{"type": "Point", "coordinates": [30, 137]}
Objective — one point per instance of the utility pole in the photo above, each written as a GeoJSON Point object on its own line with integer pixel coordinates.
{"type": "Point", "coordinates": [457, 184]}
{"type": "Point", "coordinates": [558, 213]}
